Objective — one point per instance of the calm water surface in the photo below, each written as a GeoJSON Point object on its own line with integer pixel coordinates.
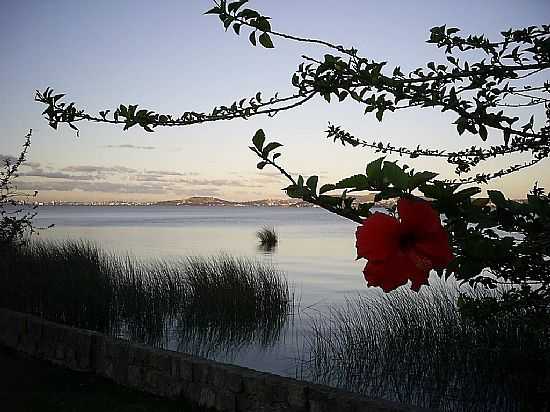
{"type": "Point", "coordinates": [316, 251]}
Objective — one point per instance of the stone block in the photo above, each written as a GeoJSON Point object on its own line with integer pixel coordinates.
{"type": "Point", "coordinates": [98, 358]}
{"type": "Point", "coordinates": [323, 399]}
{"type": "Point", "coordinates": [161, 361]}
{"type": "Point", "coordinates": [135, 376]}
{"type": "Point", "coordinates": [14, 325]}
{"type": "Point", "coordinates": [171, 387]}
{"type": "Point", "coordinates": [225, 401]}
{"type": "Point", "coordinates": [254, 384]}
{"type": "Point", "coordinates": [202, 371]}
{"type": "Point", "coordinates": [297, 395]}
{"type": "Point", "coordinates": [32, 335]}
{"type": "Point", "coordinates": [84, 350]}
{"type": "Point", "coordinates": [59, 352]}
{"type": "Point", "coordinates": [140, 355]}
{"type": "Point", "coordinates": [207, 397]}
{"type": "Point", "coordinates": [227, 378]}
{"type": "Point", "coordinates": [191, 392]}
{"type": "Point", "coordinates": [185, 370]}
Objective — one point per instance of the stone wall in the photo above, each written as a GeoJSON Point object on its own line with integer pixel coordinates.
{"type": "Point", "coordinates": [176, 375]}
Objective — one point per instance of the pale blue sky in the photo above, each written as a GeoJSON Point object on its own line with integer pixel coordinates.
{"type": "Point", "coordinates": [169, 57]}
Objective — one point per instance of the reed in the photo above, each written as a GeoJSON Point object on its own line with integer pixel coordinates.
{"type": "Point", "coordinates": [268, 238]}
{"type": "Point", "coordinates": [79, 284]}
{"type": "Point", "coordinates": [418, 349]}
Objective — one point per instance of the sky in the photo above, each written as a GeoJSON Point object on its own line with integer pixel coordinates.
{"type": "Point", "coordinates": [169, 57]}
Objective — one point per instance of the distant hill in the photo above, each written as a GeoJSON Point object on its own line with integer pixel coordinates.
{"type": "Point", "coordinates": [214, 201]}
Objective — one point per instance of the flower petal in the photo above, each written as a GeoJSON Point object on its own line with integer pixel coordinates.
{"type": "Point", "coordinates": [378, 237]}
{"type": "Point", "coordinates": [436, 248]}
{"type": "Point", "coordinates": [397, 270]}
{"type": "Point", "coordinates": [418, 216]}
{"type": "Point", "coordinates": [388, 274]}
{"type": "Point", "coordinates": [420, 270]}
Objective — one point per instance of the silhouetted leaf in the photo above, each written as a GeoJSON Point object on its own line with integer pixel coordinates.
{"type": "Point", "coordinates": [312, 183]}
{"type": "Point", "coordinates": [497, 198]}
{"type": "Point", "coordinates": [259, 139]}
{"type": "Point", "coordinates": [265, 41]}
{"type": "Point", "coordinates": [326, 188]}
{"type": "Point", "coordinates": [421, 178]}
{"type": "Point", "coordinates": [269, 147]}
{"type": "Point", "coordinates": [395, 175]}
{"type": "Point", "coordinates": [353, 182]}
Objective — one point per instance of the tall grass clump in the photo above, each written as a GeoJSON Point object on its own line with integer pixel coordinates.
{"type": "Point", "coordinates": [70, 282]}
{"type": "Point", "coordinates": [79, 284]}
{"type": "Point", "coordinates": [419, 349]}
{"type": "Point", "coordinates": [268, 238]}
{"type": "Point", "coordinates": [235, 298]}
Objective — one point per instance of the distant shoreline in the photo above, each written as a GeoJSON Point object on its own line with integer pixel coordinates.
{"type": "Point", "coordinates": [195, 201]}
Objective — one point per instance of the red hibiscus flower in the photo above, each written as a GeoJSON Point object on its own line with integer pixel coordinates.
{"type": "Point", "coordinates": [404, 249]}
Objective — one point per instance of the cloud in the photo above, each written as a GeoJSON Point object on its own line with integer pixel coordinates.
{"type": "Point", "coordinates": [151, 178]}
{"type": "Point", "coordinates": [171, 173]}
{"type": "Point", "coordinates": [129, 146]}
{"type": "Point", "coordinates": [99, 169]}
{"type": "Point", "coordinates": [106, 187]}
{"type": "Point", "coordinates": [122, 180]}
{"type": "Point", "coordinates": [56, 175]}
{"type": "Point", "coordinates": [217, 182]}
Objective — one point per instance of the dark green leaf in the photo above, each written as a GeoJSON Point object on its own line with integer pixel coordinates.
{"type": "Point", "coordinates": [326, 188]}
{"type": "Point", "coordinates": [330, 200]}
{"type": "Point", "coordinates": [421, 178]}
{"type": "Point", "coordinates": [364, 209]}
{"type": "Point", "coordinates": [395, 175]}
{"type": "Point", "coordinates": [263, 24]}
{"type": "Point", "coordinates": [215, 10]}
{"type": "Point", "coordinates": [497, 198]}
{"type": "Point", "coordinates": [265, 41]}
{"type": "Point", "coordinates": [233, 7]}
{"type": "Point", "coordinates": [312, 183]}
{"type": "Point", "coordinates": [374, 170]}
{"type": "Point", "coordinates": [294, 191]}
{"type": "Point", "coordinates": [483, 132]}
{"type": "Point", "coordinates": [261, 165]}
{"type": "Point", "coordinates": [252, 38]}
{"type": "Point", "coordinates": [259, 139]}
{"type": "Point", "coordinates": [359, 182]}
{"type": "Point", "coordinates": [269, 147]}
{"type": "Point", "coordinates": [480, 201]}
{"type": "Point", "coordinates": [466, 193]}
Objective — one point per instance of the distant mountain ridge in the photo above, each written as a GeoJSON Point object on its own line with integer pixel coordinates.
{"type": "Point", "coordinates": [214, 201]}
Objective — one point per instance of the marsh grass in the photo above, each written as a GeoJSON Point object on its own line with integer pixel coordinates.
{"type": "Point", "coordinates": [418, 349]}
{"type": "Point", "coordinates": [77, 283]}
{"type": "Point", "coordinates": [268, 238]}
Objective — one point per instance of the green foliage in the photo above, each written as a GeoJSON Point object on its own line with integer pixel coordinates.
{"type": "Point", "coordinates": [483, 257]}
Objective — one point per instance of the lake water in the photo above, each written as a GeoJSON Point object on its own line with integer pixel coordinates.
{"type": "Point", "coordinates": [316, 251]}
